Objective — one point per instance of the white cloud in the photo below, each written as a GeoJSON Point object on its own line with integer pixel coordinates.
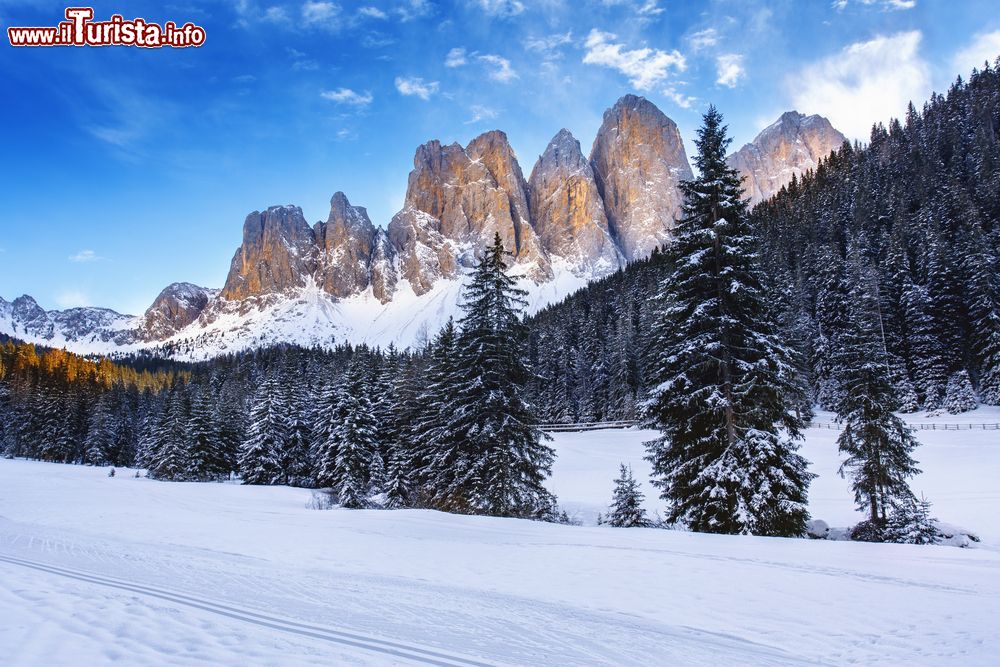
{"type": "Point", "coordinates": [501, 7]}
{"type": "Point", "coordinates": [414, 85]}
{"type": "Point", "coordinates": [347, 96]}
{"type": "Point", "coordinates": [83, 256]}
{"type": "Point", "coordinates": [73, 299]}
{"type": "Point", "coordinates": [323, 14]}
{"type": "Point", "coordinates": [480, 113]}
{"type": "Point", "coordinates": [373, 13]}
{"type": "Point", "coordinates": [414, 9]}
{"type": "Point", "coordinates": [644, 67]}
{"type": "Point", "coordinates": [729, 69]}
{"type": "Point", "coordinates": [704, 39]}
{"type": "Point", "coordinates": [866, 82]}
{"type": "Point", "coordinates": [548, 44]}
{"type": "Point", "coordinates": [500, 69]}
{"type": "Point", "coordinates": [643, 7]}
{"type": "Point", "coordinates": [841, 5]}
{"type": "Point", "coordinates": [455, 57]}
{"type": "Point", "coordinates": [678, 98]}
{"type": "Point", "coordinates": [984, 48]}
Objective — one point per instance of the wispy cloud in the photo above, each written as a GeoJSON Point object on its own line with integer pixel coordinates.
{"type": "Point", "coordinates": [499, 68]}
{"type": "Point", "coordinates": [373, 13]}
{"type": "Point", "coordinates": [645, 67]}
{"type": "Point", "coordinates": [864, 83]}
{"type": "Point", "coordinates": [984, 48]}
{"type": "Point", "coordinates": [703, 39]}
{"type": "Point", "coordinates": [416, 86]}
{"type": "Point", "coordinates": [679, 98]}
{"type": "Point", "coordinates": [347, 96]}
{"type": "Point", "coordinates": [729, 69]}
{"type": "Point", "coordinates": [549, 44]}
{"type": "Point", "coordinates": [321, 14]}
{"type": "Point", "coordinates": [480, 113]}
{"type": "Point", "coordinates": [887, 5]}
{"type": "Point", "coordinates": [501, 8]}
{"type": "Point", "coordinates": [83, 256]}
{"type": "Point", "coordinates": [455, 57]}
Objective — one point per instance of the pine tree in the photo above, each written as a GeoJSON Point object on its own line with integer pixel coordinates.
{"type": "Point", "coordinates": [626, 509]}
{"type": "Point", "coordinates": [960, 396]}
{"type": "Point", "coordinates": [267, 435]}
{"type": "Point", "coordinates": [490, 458]}
{"type": "Point", "coordinates": [397, 483]}
{"type": "Point", "coordinates": [353, 443]}
{"type": "Point", "coordinates": [727, 461]}
{"type": "Point", "coordinates": [100, 432]}
{"type": "Point", "coordinates": [876, 442]}
{"type": "Point", "coordinates": [205, 460]}
{"type": "Point", "coordinates": [911, 522]}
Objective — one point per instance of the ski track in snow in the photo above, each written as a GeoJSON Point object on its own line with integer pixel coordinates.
{"type": "Point", "coordinates": [97, 570]}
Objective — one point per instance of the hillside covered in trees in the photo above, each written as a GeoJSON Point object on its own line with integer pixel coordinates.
{"type": "Point", "coordinates": [909, 225]}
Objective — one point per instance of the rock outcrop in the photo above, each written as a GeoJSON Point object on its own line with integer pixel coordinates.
{"type": "Point", "coordinates": [353, 253]}
{"type": "Point", "coordinates": [567, 210]}
{"type": "Point", "coordinates": [277, 255]}
{"type": "Point", "coordinates": [456, 200]}
{"type": "Point", "coordinates": [177, 306]}
{"type": "Point", "coordinates": [791, 146]}
{"type": "Point", "coordinates": [638, 159]}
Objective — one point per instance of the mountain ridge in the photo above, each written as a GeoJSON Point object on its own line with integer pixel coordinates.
{"type": "Point", "coordinates": [575, 219]}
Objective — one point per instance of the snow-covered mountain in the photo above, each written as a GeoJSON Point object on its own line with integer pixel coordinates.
{"type": "Point", "coordinates": [789, 147]}
{"type": "Point", "coordinates": [574, 220]}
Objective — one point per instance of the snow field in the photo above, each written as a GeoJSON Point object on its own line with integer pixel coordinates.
{"type": "Point", "coordinates": [484, 590]}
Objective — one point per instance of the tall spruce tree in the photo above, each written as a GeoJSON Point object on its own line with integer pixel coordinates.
{"type": "Point", "coordinates": [267, 435]}
{"type": "Point", "coordinates": [727, 461]}
{"type": "Point", "coordinates": [876, 442]}
{"type": "Point", "coordinates": [353, 442]}
{"type": "Point", "coordinates": [490, 457]}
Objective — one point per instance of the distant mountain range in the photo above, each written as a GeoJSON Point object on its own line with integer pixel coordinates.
{"type": "Point", "coordinates": [575, 219]}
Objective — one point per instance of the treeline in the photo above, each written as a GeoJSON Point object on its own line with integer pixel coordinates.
{"type": "Point", "coordinates": [444, 427]}
{"type": "Point", "coordinates": [910, 224]}
{"type": "Point", "coordinates": [59, 406]}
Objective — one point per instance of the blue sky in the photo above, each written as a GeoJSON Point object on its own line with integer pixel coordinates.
{"type": "Point", "coordinates": [126, 169]}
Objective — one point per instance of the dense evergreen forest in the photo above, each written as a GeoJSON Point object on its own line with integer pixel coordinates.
{"type": "Point", "coordinates": [877, 275]}
{"type": "Point", "coordinates": [909, 224]}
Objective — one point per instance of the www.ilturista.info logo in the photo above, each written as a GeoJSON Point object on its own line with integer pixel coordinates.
{"type": "Point", "coordinates": [79, 29]}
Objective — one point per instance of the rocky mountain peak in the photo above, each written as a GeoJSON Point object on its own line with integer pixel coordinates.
{"type": "Point", "coordinates": [567, 209]}
{"type": "Point", "coordinates": [347, 242]}
{"type": "Point", "coordinates": [790, 146]}
{"type": "Point", "coordinates": [456, 200]}
{"type": "Point", "coordinates": [178, 305]}
{"type": "Point", "coordinates": [638, 160]}
{"type": "Point", "coordinates": [276, 256]}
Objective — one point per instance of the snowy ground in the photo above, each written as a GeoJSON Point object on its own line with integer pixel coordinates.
{"type": "Point", "coordinates": [95, 570]}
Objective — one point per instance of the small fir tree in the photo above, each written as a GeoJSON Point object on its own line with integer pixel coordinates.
{"type": "Point", "coordinates": [626, 509]}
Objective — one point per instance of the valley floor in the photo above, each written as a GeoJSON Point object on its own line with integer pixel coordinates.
{"type": "Point", "coordinates": [95, 570]}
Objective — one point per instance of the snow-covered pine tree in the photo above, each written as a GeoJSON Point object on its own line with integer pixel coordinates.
{"type": "Point", "coordinates": [876, 442]}
{"type": "Point", "coordinates": [170, 461]}
{"type": "Point", "coordinates": [267, 434]}
{"type": "Point", "coordinates": [100, 432]}
{"type": "Point", "coordinates": [626, 509]}
{"type": "Point", "coordinates": [727, 460]}
{"type": "Point", "coordinates": [492, 459]}
{"type": "Point", "coordinates": [325, 421]}
{"type": "Point", "coordinates": [398, 491]}
{"type": "Point", "coordinates": [296, 457]}
{"type": "Point", "coordinates": [910, 522]}
{"type": "Point", "coordinates": [205, 460]}
{"type": "Point", "coordinates": [354, 441]}
{"type": "Point", "coordinates": [434, 452]}
{"type": "Point", "coordinates": [960, 396]}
